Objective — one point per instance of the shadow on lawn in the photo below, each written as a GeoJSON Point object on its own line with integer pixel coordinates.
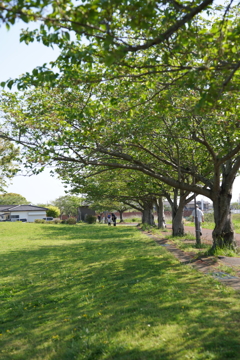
{"type": "Point", "coordinates": [91, 301]}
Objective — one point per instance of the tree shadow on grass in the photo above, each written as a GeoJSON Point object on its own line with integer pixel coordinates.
{"type": "Point", "coordinates": [111, 301]}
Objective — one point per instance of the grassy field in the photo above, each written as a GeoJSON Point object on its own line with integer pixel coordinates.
{"type": "Point", "coordinates": [91, 292]}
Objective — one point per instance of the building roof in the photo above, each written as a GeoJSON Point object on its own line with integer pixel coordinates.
{"type": "Point", "coordinates": [11, 208]}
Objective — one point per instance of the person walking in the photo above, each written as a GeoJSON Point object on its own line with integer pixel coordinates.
{"type": "Point", "coordinates": [200, 218]}
{"type": "Point", "coordinates": [114, 219]}
{"type": "Point", "coordinates": [109, 219]}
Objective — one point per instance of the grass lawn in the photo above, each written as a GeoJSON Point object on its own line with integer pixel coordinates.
{"type": "Point", "coordinates": [91, 292]}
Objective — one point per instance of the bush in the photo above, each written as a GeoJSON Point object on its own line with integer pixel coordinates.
{"type": "Point", "coordinates": [208, 217]}
{"type": "Point", "coordinates": [57, 221]}
{"type": "Point", "coordinates": [71, 221]}
{"type": "Point", "coordinates": [90, 219]}
{"type": "Point", "coordinates": [40, 221]}
{"type": "Point", "coordinates": [53, 211]}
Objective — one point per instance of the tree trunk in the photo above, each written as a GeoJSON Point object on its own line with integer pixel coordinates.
{"type": "Point", "coordinates": [160, 213]}
{"type": "Point", "coordinates": [147, 215]}
{"type": "Point", "coordinates": [79, 214]}
{"type": "Point", "coordinates": [121, 215]}
{"type": "Point", "coordinates": [177, 212]}
{"type": "Point", "coordinates": [223, 233]}
{"type": "Point", "coordinates": [177, 221]}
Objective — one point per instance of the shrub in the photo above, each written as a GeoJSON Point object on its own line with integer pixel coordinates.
{"type": "Point", "coordinates": [53, 211]}
{"type": "Point", "coordinates": [57, 221]}
{"type": "Point", "coordinates": [71, 221]}
{"type": "Point", "coordinates": [208, 217]}
{"type": "Point", "coordinates": [90, 219]}
{"type": "Point", "coordinates": [39, 221]}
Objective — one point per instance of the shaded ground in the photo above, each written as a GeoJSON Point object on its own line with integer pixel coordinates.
{"type": "Point", "coordinates": [210, 265]}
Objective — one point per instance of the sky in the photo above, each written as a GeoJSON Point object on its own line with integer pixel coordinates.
{"type": "Point", "coordinates": [15, 59]}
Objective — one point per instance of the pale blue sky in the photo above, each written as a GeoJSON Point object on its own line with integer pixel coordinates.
{"type": "Point", "coordinates": [15, 59]}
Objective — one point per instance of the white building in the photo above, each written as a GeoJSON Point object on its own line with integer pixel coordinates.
{"type": "Point", "coordinates": [25, 213]}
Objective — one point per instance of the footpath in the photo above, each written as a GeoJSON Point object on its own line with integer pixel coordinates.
{"type": "Point", "coordinates": [210, 265]}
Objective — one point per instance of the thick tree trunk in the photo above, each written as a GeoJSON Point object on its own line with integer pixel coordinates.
{"type": "Point", "coordinates": [147, 215]}
{"type": "Point", "coordinates": [177, 212]}
{"type": "Point", "coordinates": [160, 213]}
{"type": "Point", "coordinates": [177, 221]}
{"type": "Point", "coordinates": [223, 233]}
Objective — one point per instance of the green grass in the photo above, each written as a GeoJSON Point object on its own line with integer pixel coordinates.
{"type": "Point", "coordinates": [91, 292]}
{"type": "Point", "coordinates": [187, 243]}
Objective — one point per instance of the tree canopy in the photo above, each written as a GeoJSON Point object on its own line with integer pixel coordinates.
{"type": "Point", "coordinates": [13, 199]}
{"type": "Point", "coordinates": [144, 86]}
{"type": "Point", "coordinates": [68, 204]}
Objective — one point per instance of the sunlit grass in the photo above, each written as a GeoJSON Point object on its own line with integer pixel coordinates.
{"type": "Point", "coordinates": [90, 292]}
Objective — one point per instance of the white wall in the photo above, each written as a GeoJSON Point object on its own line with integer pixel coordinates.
{"type": "Point", "coordinates": [30, 216]}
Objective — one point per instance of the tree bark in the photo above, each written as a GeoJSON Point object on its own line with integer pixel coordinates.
{"type": "Point", "coordinates": [160, 213]}
{"type": "Point", "coordinates": [223, 233]}
{"type": "Point", "coordinates": [177, 221]}
{"type": "Point", "coordinates": [177, 211]}
{"type": "Point", "coordinates": [147, 214]}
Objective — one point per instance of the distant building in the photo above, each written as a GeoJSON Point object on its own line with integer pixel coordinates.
{"type": "Point", "coordinates": [24, 213]}
{"type": "Point", "coordinates": [83, 211]}
{"type": "Point", "coordinates": [203, 205]}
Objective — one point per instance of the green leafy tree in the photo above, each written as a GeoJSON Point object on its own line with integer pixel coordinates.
{"type": "Point", "coordinates": [8, 162]}
{"type": "Point", "coordinates": [193, 153]}
{"type": "Point", "coordinates": [235, 205]}
{"type": "Point", "coordinates": [53, 211]}
{"type": "Point", "coordinates": [68, 204]}
{"type": "Point", "coordinates": [13, 199]}
{"type": "Point", "coordinates": [135, 40]}
{"type": "Point", "coordinates": [167, 85]}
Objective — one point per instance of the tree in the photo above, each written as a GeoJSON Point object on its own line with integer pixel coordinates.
{"type": "Point", "coordinates": [165, 140]}
{"type": "Point", "coordinates": [53, 211]}
{"type": "Point", "coordinates": [133, 40]}
{"type": "Point", "coordinates": [13, 199]}
{"type": "Point", "coordinates": [235, 205]}
{"type": "Point", "coordinates": [8, 165]}
{"type": "Point", "coordinates": [68, 204]}
{"type": "Point", "coordinates": [171, 89]}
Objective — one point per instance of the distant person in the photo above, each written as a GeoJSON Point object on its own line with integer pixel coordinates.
{"type": "Point", "coordinates": [99, 218]}
{"type": "Point", "coordinates": [109, 219]}
{"type": "Point", "coordinates": [200, 218]}
{"type": "Point", "coordinates": [114, 219]}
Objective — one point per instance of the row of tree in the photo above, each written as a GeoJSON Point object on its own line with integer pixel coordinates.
{"type": "Point", "coordinates": [148, 88]}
